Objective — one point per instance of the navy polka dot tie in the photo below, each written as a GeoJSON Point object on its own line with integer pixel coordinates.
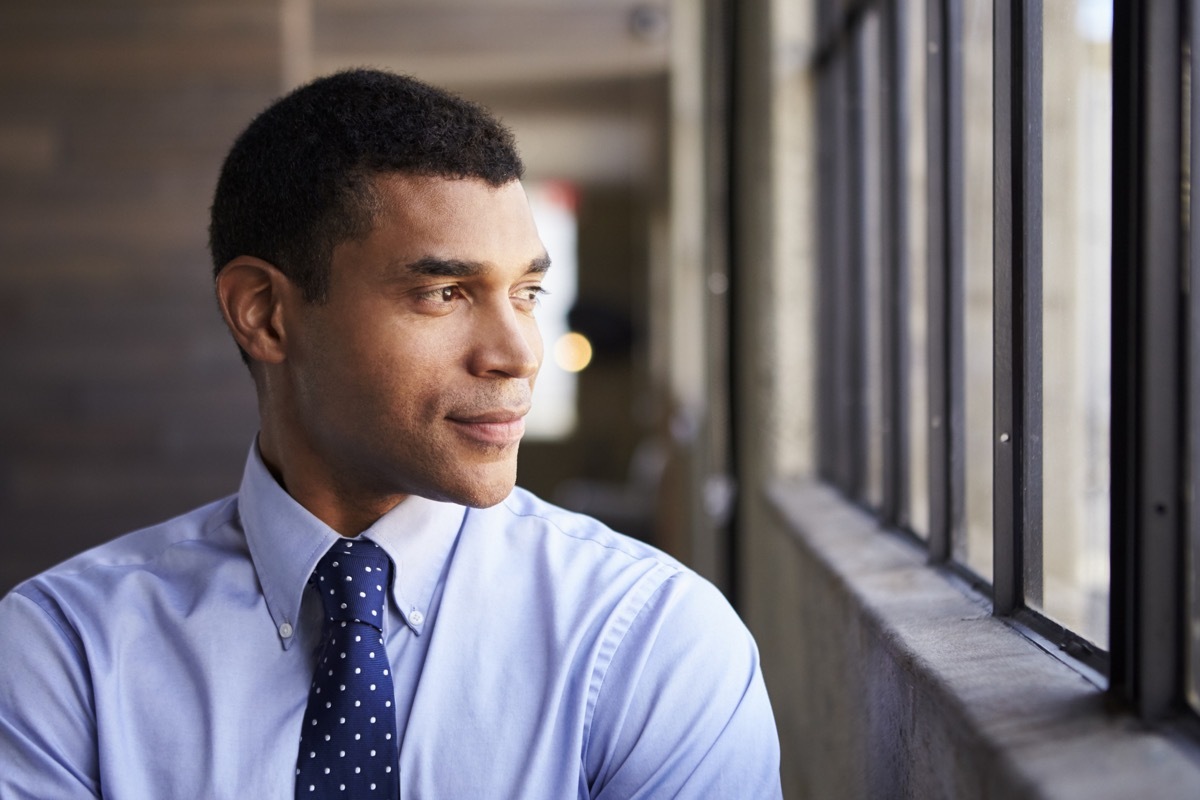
{"type": "Point", "coordinates": [348, 740]}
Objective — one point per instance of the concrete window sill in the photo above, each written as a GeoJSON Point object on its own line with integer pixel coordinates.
{"type": "Point", "coordinates": [968, 706]}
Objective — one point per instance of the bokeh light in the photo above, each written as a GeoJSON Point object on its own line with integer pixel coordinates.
{"type": "Point", "coordinates": [572, 351]}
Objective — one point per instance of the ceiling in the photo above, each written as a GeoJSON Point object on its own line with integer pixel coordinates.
{"type": "Point", "coordinates": [582, 82]}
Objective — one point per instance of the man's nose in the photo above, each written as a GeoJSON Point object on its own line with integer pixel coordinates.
{"type": "Point", "coordinates": [507, 343]}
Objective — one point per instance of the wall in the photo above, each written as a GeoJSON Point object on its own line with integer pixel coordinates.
{"type": "Point", "coordinates": [891, 681]}
{"type": "Point", "coordinates": [122, 399]}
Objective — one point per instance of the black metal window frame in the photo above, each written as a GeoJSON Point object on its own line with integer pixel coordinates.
{"type": "Point", "coordinates": [1155, 322]}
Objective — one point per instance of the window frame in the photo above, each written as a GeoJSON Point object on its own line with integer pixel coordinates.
{"type": "Point", "coordinates": [1147, 630]}
{"type": "Point", "coordinates": [1156, 335]}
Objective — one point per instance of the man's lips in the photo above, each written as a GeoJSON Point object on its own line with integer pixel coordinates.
{"type": "Point", "coordinates": [501, 427]}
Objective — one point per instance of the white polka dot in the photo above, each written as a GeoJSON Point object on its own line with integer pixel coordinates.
{"type": "Point", "coordinates": [372, 722]}
{"type": "Point", "coordinates": [335, 563]}
{"type": "Point", "coordinates": [341, 754]}
{"type": "Point", "coordinates": [388, 769]}
{"type": "Point", "coordinates": [341, 720]}
{"type": "Point", "coordinates": [387, 704]}
{"type": "Point", "coordinates": [372, 753]}
{"type": "Point", "coordinates": [372, 687]}
{"type": "Point", "coordinates": [372, 787]}
{"type": "Point", "coordinates": [358, 638]}
{"type": "Point", "coordinates": [362, 594]}
{"type": "Point", "coordinates": [387, 736]}
{"type": "Point", "coordinates": [327, 737]}
{"type": "Point", "coordinates": [313, 754]}
{"type": "Point", "coordinates": [329, 705]}
{"type": "Point", "coordinates": [327, 770]}
{"type": "Point", "coordinates": [357, 736]}
{"type": "Point", "coordinates": [371, 654]}
{"type": "Point", "coordinates": [311, 788]}
{"type": "Point", "coordinates": [358, 670]}
{"type": "Point", "coordinates": [368, 569]}
{"type": "Point", "coordinates": [357, 770]}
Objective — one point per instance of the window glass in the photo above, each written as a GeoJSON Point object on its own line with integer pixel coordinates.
{"type": "Point", "coordinates": [974, 545]}
{"type": "Point", "coordinates": [1076, 313]}
{"type": "Point", "coordinates": [870, 109]}
{"type": "Point", "coordinates": [916, 49]}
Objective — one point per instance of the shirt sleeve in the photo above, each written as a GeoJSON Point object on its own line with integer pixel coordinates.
{"type": "Point", "coordinates": [682, 710]}
{"type": "Point", "coordinates": [47, 725]}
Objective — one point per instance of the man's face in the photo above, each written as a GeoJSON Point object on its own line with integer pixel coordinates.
{"type": "Point", "coordinates": [415, 375]}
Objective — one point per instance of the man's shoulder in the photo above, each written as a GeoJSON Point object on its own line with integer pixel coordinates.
{"type": "Point", "coordinates": [552, 557]}
{"type": "Point", "coordinates": [139, 551]}
{"type": "Point", "coordinates": [531, 516]}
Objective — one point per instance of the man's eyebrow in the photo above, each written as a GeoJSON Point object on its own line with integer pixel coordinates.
{"type": "Point", "coordinates": [433, 267]}
{"type": "Point", "coordinates": [430, 266]}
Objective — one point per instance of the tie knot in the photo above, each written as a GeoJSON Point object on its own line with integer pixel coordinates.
{"type": "Point", "coordinates": [352, 579]}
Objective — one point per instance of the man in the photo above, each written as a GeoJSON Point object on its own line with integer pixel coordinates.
{"type": "Point", "coordinates": [378, 267]}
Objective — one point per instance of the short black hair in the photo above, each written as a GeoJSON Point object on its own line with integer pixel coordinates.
{"type": "Point", "coordinates": [298, 181]}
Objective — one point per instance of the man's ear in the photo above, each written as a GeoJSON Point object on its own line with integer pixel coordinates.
{"type": "Point", "coordinates": [253, 294]}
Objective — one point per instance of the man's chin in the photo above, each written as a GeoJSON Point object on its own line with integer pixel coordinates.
{"type": "Point", "coordinates": [477, 491]}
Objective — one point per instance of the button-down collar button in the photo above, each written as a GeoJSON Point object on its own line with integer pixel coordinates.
{"type": "Point", "coordinates": [285, 630]}
{"type": "Point", "coordinates": [416, 617]}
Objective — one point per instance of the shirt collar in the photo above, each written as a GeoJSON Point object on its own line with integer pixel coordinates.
{"type": "Point", "coordinates": [419, 535]}
{"type": "Point", "coordinates": [286, 541]}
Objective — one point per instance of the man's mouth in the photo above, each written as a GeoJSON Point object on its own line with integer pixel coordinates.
{"type": "Point", "coordinates": [497, 427]}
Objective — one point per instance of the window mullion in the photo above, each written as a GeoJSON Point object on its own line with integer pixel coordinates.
{"type": "Point", "coordinates": [858, 445]}
{"type": "Point", "coordinates": [895, 290]}
{"type": "Point", "coordinates": [947, 442]}
{"type": "Point", "coordinates": [1017, 535]}
{"type": "Point", "coordinates": [1148, 545]}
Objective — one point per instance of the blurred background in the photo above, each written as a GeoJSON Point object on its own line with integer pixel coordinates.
{"type": "Point", "coordinates": [122, 400]}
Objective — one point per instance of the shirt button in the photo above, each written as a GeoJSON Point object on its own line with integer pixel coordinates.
{"type": "Point", "coordinates": [416, 617]}
{"type": "Point", "coordinates": [285, 630]}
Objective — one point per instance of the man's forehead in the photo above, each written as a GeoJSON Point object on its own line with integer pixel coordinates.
{"type": "Point", "coordinates": [410, 187]}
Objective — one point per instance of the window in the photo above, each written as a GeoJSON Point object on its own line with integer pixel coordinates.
{"type": "Point", "coordinates": [1005, 340]}
{"type": "Point", "coordinates": [554, 414]}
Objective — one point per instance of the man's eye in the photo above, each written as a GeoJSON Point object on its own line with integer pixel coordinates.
{"type": "Point", "coordinates": [441, 294]}
{"type": "Point", "coordinates": [531, 293]}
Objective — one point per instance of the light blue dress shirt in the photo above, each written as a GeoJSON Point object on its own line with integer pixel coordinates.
{"type": "Point", "coordinates": [535, 653]}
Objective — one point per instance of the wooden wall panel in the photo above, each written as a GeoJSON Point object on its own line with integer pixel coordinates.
{"type": "Point", "coordinates": [122, 399]}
